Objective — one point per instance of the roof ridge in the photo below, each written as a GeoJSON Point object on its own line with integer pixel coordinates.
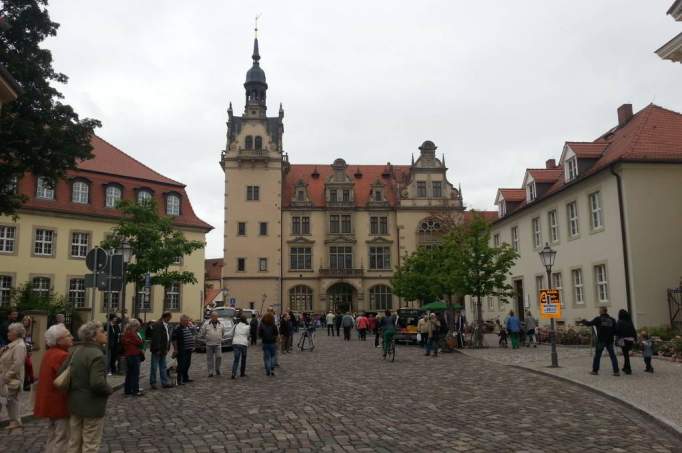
{"type": "Point", "coordinates": [137, 161]}
{"type": "Point", "coordinates": [644, 121]}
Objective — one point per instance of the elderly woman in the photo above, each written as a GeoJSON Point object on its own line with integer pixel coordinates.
{"type": "Point", "coordinates": [29, 378]}
{"type": "Point", "coordinates": [132, 343]}
{"type": "Point", "coordinates": [50, 402]}
{"type": "Point", "coordinates": [12, 359]}
{"type": "Point", "coordinates": [89, 390]}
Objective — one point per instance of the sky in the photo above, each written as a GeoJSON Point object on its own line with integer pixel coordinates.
{"type": "Point", "coordinates": [499, 86]}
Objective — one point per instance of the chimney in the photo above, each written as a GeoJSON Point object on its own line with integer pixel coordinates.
{"type": "Point", "coordinates": [550, 164]}
{"type": "Point", "coordinates": [624, 114]}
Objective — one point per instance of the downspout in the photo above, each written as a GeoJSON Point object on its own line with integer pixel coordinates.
{"type": "Point", "coordinates": [623, 235]}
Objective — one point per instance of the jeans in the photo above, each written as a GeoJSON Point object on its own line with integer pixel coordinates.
{"type": "Point", "coordinates": [530, 336]}
{"type": "Point", "coordinates": [346, 333]}
{"type": "Point", "coordinates": [597, 356]}
{"type": "Point", "coordinates": [254, 337]}
{"type": "Point", "coordinates": [338, 327]}
{"type": "Point", "coordinates": [214, 358]}
{"type": "Point", "coordinates": [184, 362]}
{"type": "Point", "coordinates": [647, 363]}
{"type": "Point", "coordinates": [285, 343]}
{"type": "Point", "coordinates": [113, 359]}
{"type": "Point", "coordinates": [158, 361]}
{"type": "Point", "coordinates": [363, 334]}
{"type": "Point", "coordinates": [627, 347]}
{"type": "Point", "coordinates": [239, 354]}
{"type": "Point", "coordinates": [132, 382]}
{"type": "Point", "coordinates": [432, 345]}
{"type": "Point", "coordinates": [269, 350]}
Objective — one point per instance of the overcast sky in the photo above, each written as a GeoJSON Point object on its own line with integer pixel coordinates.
{"type": "Point", "coordinates": [497, 85]}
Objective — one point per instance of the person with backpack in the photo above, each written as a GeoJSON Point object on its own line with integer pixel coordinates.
{"type": "Point", "coordinates": [606, 329]}
{"type": "Point", "coordinates": [347, 322]}
{"type": "Point", "coordinates": [268, 333]}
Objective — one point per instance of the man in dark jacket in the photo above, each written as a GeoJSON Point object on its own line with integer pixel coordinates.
{"type": "Point", "coordinates": [12, 317]}
{"type": "Point", "coordinates": [159, 345]}
{"type": "Point", "coordinates": [253, 329]}
{"type": "Point", "coordinates": [183, 345]}
{"type": "Point", "coordinates": [606, 329]}
{"type": "Point", "coordinates": [114, 342]}
{"type": "Point", "coordinates": [337, 322]}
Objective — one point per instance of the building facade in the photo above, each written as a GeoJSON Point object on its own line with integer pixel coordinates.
{"type": "Point", "coordinates": [612, 209]}
{"type": "Point", "coordinates": [321, 236]}
{"type": "Point", "coordinates": [672, 50]}
{"type": "Point", "coordinates": [46, 245]}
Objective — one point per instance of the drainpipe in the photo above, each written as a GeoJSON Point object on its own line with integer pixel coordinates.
{"type": "Point", "coordinates": [623, 234]}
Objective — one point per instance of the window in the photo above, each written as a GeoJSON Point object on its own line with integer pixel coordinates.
{"type": "Point", "coordinates": [301, 258]}
{"type": "Point", "coordinates": [334, 224]}
{"type": "Point", "coordinates": [241, 264]}
{"type": "Point", "coordinates": [5, 289]}
{"type": "Point", "coordinates": [503, 209]}
{"type": "Point", "coordinates": [79, 244]}
{"type": "Point", "coordinates": [380, 258]}
{"type": "Point", "coordinates": [263, 228]}
{"type": "Point", "coordinates": [571, 168]}
{"type": "Point", "coordinates": [572, 212]}
{"type": "Point", "coordinates": [437, 189]}
{"type": "Point", "coordinates": [12, 185]}
{"type": "Point", "coordinates": [558, 284]}
{"type": "Point", "coordinates": [241, 228]}
{"type": "Point", "coordinates": [578, 291]}
{"type": "Point", "coordinates": [252, 193]}
{"type": "Point", "coordinates": [553, 223]}
{"type": "Point", "coordinates": [300, 225]}
{"type": "Point", "coordinates": [113, 196]}
{"type": "Point", "coordinates": [421, 189]}
{"type": "Point", "coordinates": [80, 192]}
{"type": "Point", "coordinates": [262, 264]}
{"type": "Point", "coordinates": [531, 194]}
{"type": "Point", "coordinates": [340, 258]}
{"type": "Point", "coordinates": [429, 233]}
{"type": "Point", "coordinates": [172, 205]}
{"type": "Point", "coordinates": [77, 292]}
{"type": "Point", "coordinates": [496, 240]}
{"type": "Point", "coordinates": [491, 303]}
{"type": "Point", "coordinates": [45, 188]}
{"type": "Point", "coordinates": [259, 142]}
{"type": "Point", "coordinates": [40, 286]}
{"type": "Point", "coordinates": [300, 195]}
{"type": "Point", "coordinates": [8, 237]}
{"type": "Point", "coordinates": [111, 301]}
{"type": "Point", "coordinates": [595, 211]}
{"type": "Point", "coordinates": [378, 195]}
{"type": "Point", "coordinates": [143, 302]}
{"type": "Point", "coordinates": [248, 142]}
{"type": "Point", "coordinates": [537, 233]}
{"type": "Point", "coordinates": [346, 195]}
{"type": "Point", "coordinates": [515, 238]}
{"type": "Point", "coordinates": [539, 286]}
{"type": "Point", "coordinates": [144, 197]}
{"type": "Point", "coordinates": [333, 196]}
{"type": "Point", "coordinates": [44, 242]}
{"type": "Point", "coordinates": [301, 299]}
{"type": "Point", "coordinates": [378, 225]}
{"type": "Point", "coordinates": [172, 297]}
{"type": "Point", "coordinates": [602, 283]}
{"type": "Point", "coordinates": [177, 260]}
{"type": "Point", "coordinates": [345, 224]}
{"type": "Point", "coordinates": [380, 298]}
{"type": "Point", "coordinates": [305, 225]}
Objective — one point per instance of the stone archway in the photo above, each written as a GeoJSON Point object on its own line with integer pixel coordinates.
{"type": "Point", "coordinates": [342, 297]}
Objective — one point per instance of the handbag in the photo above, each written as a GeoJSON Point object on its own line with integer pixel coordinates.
{"type": "Point", "coordinates": [63, 380]}
{"type": "Point", "coordinates": [419, 337]}
{"type": "Point", "coordinates": [142, 356]}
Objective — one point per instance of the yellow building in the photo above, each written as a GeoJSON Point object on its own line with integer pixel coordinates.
{"type": "Point", "coordinates": [59, 223]}
{"type": "Point", "coordinates": [322, 236]}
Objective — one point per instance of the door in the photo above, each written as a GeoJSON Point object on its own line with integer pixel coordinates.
{"type": "Point", "coordinates": [340, 298]}
{"type": "Point", "coordinates": [518, 298]}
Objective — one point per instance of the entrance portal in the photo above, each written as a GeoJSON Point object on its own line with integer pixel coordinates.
{"type": "Point", "coordinates": [518, 290]}
{"type": "Point", "coordinates": [340, 297]}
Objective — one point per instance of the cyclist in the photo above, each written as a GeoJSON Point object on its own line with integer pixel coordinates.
{"type": "Point", "coordinates": [388, 328]}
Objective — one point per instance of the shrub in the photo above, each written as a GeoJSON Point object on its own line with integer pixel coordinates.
{"type": "Point", "coordinates": [665, 333]}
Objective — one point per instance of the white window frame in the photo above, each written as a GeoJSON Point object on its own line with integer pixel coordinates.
{"type": "Point", "coordinates": [43, 243]}
{"type": "Point", "coordinates": [44, 189]}
{"type": "Point", "coordinates": [380, 297]}
{"type": "Point", "coordinates": [41, 285]}
{"type": "Point", "coordinates": [5, 289]}
{"type": "Point", "coordinates": [578, 286]}
{"type": "Point", "coordinates": [515, 238]}
{"type": "Point", "coordinates": [503, 208]}
{"type": "Point", "coordinates": [77, 292]}
{"type": "Point", "coordinates": [437, 189]}
{"type": "Point", "coordinates": [553, 223]}
{"type": "Point", "coordinates": [262, 264]}
{"type": "Point", "coordinates": [571, 168]}
{"type": "Point", "coordinates": [596, 218]}
{"type": "Point", "coordinates": [80, 192]}
{"type": "Point", "coordinates": [172, 205]}
{"type": "Point", "coordinates": [558, 283]}
{"type": "Point", "coordinates": [172, 297]}
{"type": "Point", "coordinates": [537, 232]}
{"type": "Point", "coordinates": [573, 219]}
{"type": "Point", "coordinates": [531, 191]}
{"type": "Point", "coordinates": [301, 258]}
{"type": "Point", "coordinates": [252, 193]}
{"type": "Point", "coordinates": [421, 189]}
{"type": "Point", "coordinates": [113, 195]}
{"type": "Point", "coordinates": [496, 239]}
{"type": "Point", "coordinates": [78, 245]}
{"type": "Point", "coordinates": [539, 285]}
{"type": "Point", "coordinates": [144, 196]}
{"type": "Point", "coordinates": [8, 238]}
{"type": "Point", "coordinates": [380, 258]}
{"type": "Point", "coordinates": [601, 283]}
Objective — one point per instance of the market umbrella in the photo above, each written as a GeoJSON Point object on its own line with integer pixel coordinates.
{"type": "Point", "coordinates": [440, 306]}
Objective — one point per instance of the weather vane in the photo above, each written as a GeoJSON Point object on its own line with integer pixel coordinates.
{"type": "Point", "coordinates": [256, 21]}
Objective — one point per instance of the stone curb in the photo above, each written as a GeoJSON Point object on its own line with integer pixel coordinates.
{"type": "Point", "coordinates": [663, 422]}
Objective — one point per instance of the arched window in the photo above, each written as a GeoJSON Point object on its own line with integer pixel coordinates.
{"type": "Point", "coordinates": [248, 142]}
{"type": "Point", "coordinates": [259, 142]}
{"type": "Point", "coordinates": [301, 298]}
{"type": "Point", "coordinates": [80, 191]}
{"type": "Point", "coordinates": [113, 196]}
{"type": "Point", "coordinates": [172, 204]}
{"type": "Point", "coordinates": [380, 298]}
{"type": "Point", "coordinates": [429, 232]}
{"type": "Point", "coordinates": [144, 196]}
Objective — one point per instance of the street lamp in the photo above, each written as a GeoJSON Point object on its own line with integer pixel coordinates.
{"type": "Point", "coordinates": [225, 292]}
{"type": "Point", "coordinates": [547, 256]}
{"type": "Point", "coordinates": [127, 255]}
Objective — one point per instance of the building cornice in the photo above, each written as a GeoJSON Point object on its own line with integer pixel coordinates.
{"type": "Point", "coordinates": [672, 50]}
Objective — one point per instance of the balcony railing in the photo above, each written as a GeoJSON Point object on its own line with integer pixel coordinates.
{"type": "Point", "coordinates": [329, 272]}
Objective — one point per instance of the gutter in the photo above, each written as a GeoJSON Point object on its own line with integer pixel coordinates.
{"type": "Point", "coordinates": [623, 235]}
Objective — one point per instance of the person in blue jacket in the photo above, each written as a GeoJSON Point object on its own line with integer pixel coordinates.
{"type": "Point", "coordinates": [514, 329]}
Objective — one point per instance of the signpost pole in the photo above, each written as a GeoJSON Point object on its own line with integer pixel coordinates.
{"type": "Point", "coordinates": [93, 290]}
{"type": "Point", "coordinates": [555, 356]}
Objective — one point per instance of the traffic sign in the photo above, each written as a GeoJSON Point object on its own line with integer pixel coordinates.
{"type": "Point", "coordinates": [550, 303]}
{"type": "Point", "coordinates": [101, 282]}
{"type": "Point", "coordinates": [233, 302]}
{"type": "Point", "coordinates": [96, 256]}
{"type": "Point", "coordinates": [116, 264]}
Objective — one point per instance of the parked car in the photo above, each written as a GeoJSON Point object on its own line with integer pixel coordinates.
{"type": "Point", "coordinates": [226, 316]}
{"type": "Point", "coordinates": [247, 312]}
{"type": "Point", "coordinates": [407, 324]}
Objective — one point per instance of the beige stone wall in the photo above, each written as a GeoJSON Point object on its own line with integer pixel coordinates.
{"type": "Point", "coordinates": [653, 209]}
{"type": "Point", "coordinates": [22, 265]}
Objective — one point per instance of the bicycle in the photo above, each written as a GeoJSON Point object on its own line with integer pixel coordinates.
{"type": "Point", "coordinates": [306, 334]}
{"type": "Point", "coordinates": [390, 353]}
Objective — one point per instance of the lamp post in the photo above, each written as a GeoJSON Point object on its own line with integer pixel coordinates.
{"type": "Point", "coordinates": [547, 256]}
{"type": "Point", "coordinates": [225, 292]}
{"type": "Point", "coordinates": [127, 254]}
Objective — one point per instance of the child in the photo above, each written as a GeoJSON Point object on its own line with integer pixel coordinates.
{"type": "Point", "coordinates": [502, 334]}
{"type": "Point", "coordinates": [647, 351]}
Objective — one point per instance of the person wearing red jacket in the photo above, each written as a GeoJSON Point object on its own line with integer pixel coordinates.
{"type": "Point", "coordinates": [131, 343]}
{"type": "Point", "coordinates": [50, 403]}
{"type": "Point", "coordinates": [362, 323]}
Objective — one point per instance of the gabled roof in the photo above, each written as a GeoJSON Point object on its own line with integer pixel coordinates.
{"type": "Point", "coordinates": [676, 10]}
{"type": "Point", "coordinates": [543, 175]}
{"type": "Point", "coordinates": [587, 150]}
{"type": "Point", "coordinates": [513, 195]}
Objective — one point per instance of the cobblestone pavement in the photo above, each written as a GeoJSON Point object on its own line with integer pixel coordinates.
{"type": "Point", "coordinates": [343, 397]}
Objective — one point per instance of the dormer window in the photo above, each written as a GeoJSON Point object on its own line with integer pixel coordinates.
{"type": "Point", "coordinates": [346, 195]}
{"type": "Point", "coordinates": [144, 197]}
{"type": "Point", "coordinates": [437, 189]}
{"type": "Point", "coordinates": [571, 168]}
{"type": "Point", "coordinates": [259, 142]}
{"type": "Point", "coordinates": [300, 195]}
{"type": "Point", "coordinates": [80, 192]}
{"type": "Point", "coordinates": [113, 196]}
{"type": "Point", "coordinates": [531, 194]}
{"type": "Point", "coordinates": [45, 188]}
{"type": "Point", "coordinates": [172, 205]}
{"type": "Point", "coordinates": [333, 196]}
{"type": "Point", "coordinates": [248, 142]}
{"type": "Point", "coordinates": [503, 208]}
{"type": "Point", "coordinates": [378, 196]}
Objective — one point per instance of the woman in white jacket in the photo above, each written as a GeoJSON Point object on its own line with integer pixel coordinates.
{"type": "Point", "coordinates": [240, 341]}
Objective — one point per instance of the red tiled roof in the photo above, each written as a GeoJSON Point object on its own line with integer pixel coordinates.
{"type": "Point", "coordinates": [213, 268]}
{"type": "Point", "coordinates": [587, 150]}
{"type": "Point", "coordinates": [513, 194]}
{"type": "Point", "coordinates": [543, 175]}
{"type": "Point", "coordinates": [490, 216]}
{"type": "Point", "coordinates": [370, 175]}
{"type": "Point", "coordinates": [112, 171]}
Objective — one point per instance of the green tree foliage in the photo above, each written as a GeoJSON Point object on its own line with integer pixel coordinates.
{"type": "Point", "coordinates": [154, 242]}
{"type": "Point", "coordinates": [415, 278]}
{"type": "Point", "coordinates": [39, 133]}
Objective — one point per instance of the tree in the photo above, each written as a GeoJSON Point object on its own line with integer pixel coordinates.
{"type": "Point", "coordinates": [415, 278]}
{"type": "Point", "coordinates": [155, 244]}
{"type": "Point", "coordinates": [39, 134]}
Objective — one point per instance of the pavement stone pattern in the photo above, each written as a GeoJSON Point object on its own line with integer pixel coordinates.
{"type": "Point", "coordinates": [344, 397]}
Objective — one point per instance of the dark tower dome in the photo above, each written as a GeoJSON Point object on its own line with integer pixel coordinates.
{"type": "Point", "coordinates": [255, 84]}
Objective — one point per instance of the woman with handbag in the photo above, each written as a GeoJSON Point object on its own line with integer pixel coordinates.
{"type": "Point", "coordinates": [12, 363]}
{"type": "Point", "coordinates": [132, 351]}
{"type": "Point", "coordinates": [50, 402]}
